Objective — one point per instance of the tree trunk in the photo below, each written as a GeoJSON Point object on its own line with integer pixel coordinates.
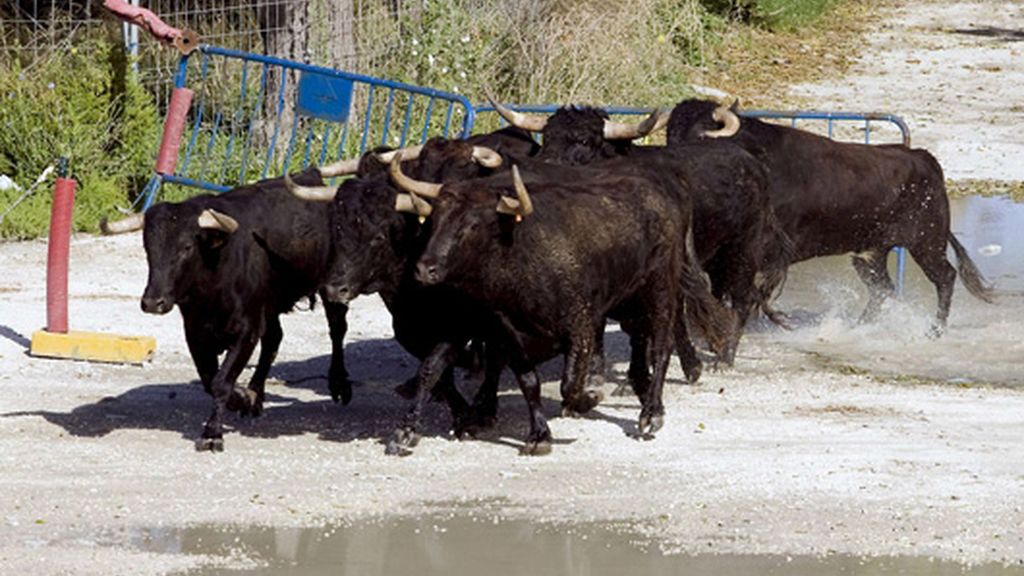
{"type": "Point", "coordinates": [318, 32]}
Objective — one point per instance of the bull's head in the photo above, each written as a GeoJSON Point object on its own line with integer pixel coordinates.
{"type": "Point", "coordinates": [182, 242]}
{"type": "Point", "coordinates": [696, 119]}
{"type": "Point", "coordinates": [580, 135]}
{"type": "Point", "coordinates": [468, 225]}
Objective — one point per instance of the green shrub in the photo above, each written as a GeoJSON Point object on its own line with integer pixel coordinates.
{"type": "Point", "coordinates": [72, 104]}
{"type": "Point", "coordinates": [777, 15]}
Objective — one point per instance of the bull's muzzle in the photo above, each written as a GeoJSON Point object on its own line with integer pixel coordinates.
{"type": "Point", "coordinates": [427, 273]}
{"type": "Point", "coordinates": [156, 305]}
{"type": "Point", "coordinates": [338, 294]}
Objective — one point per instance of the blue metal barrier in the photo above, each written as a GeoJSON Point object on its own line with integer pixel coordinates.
{"type": "Point", "coordinates": [237, 134]}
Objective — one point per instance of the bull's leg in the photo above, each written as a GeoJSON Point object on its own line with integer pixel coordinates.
{"type": "Point", "coordinates": [638, 375]}
{"type": "Point", "coordinates": [538, 441]}
{"type": "Point", "coordinates": [484, 411]}
{"type": "Point", "coordinates": [871, 267]}
{"type": "Point", "coordinates": [337, 376]}
{"type": "Point", "coordinates": [204, 356]}
{"type": "Point", "coordinates": [269, 345]}
{"type": "Point", "coordinates": [436, 366]}
{"type": "Point", "coordinates": [595, 374]}
{"type": "Point", "coordinates": [576, 399]}
{"type": "Point", "coordinates": [652, 412]}
{"type": "Point", "coordinates": [224, 390]}
{"type": "Point", "coordinates": [942, 274]}
{"type": "Point", "coordinates": [688, 358]}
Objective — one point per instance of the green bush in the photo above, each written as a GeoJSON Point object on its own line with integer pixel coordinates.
{"type": "Point", "coordinates": [777, 15]}
{"type": "Point", "coordinates": [80, 104]}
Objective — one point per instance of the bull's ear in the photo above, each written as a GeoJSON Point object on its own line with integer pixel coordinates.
{"type": "Point", "coordinates": [735, 106]}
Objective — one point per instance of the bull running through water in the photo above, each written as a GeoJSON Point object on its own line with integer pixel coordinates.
{"type": "Point", "coordinates": [838, 197]}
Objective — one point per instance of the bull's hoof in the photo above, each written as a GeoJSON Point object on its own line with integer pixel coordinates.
{"type": "Point", "coordinates": [650, 422]}
{"type": "Point", "coordinates": [536, 448]}
{"type": "Point", "coordinates": [341, 391]}
{"type": "Point", "coordinates": [936, 331]}
{"type": "Point", "coordinates": [243, 401]}
{"type": "Point", "coordinates": [583, 404]}
{"type": "Point", "coordinates": [402, 443]}
{"type": "Point", "coordinates": [693, 372]}
{"type": "Point", "coordinates": [210, 445]}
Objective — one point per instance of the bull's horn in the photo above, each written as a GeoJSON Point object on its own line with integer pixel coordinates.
{"type": "Point", "coordinates": [425, 189]}
{"type": "Point", "coordinates": [413, 204]}
{"type": "Point", "coordinates": [629, 131]}
{"type": "Point", "coordinates": [129, 224]}
{"type": "Point", "coordinates": [212, 220]}
{"type": "Point", "coordinates": [340, 168]}
{"type": "Point", "coordinates": [727, 117]}
{"type": "Point", "coordinates": [408, 153]}
{"type": "Point", "coordinates": [518, 119]}
{"type": "Point", "coordinates": [519, 206]}
{"type": "Point", "coordinates": [315, 193]}
{"type": "Point", "coordinates": [486, 157]}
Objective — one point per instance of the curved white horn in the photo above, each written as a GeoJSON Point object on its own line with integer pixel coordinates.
{"type": "Point", "coordinates": [520, 120]}
{"type": "Point", "coordinates": [425, 189]}
{"type": "Point", "coordinates": [519, 206]}
{"type": "Point", "coordinates": [486, 157]}
{"type": "Point", "coordinates": [727, 117]}
{"type": "Point", "coordinates": [212, 220]}
{"type": "Point", "coordinates": [314, 193]}
{"type": "Point", "coordinates": [129, 224]}
{"type": "Point", "coordinates": [408, 153]}
{"type": "Point", "coordinates": [631, 131]}
{"type": "Point", "coordinates": [340, 168]}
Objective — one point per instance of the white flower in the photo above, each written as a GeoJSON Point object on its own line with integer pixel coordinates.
{"type": "Point", "coordinates": [462, 74]}
{"type": "Point", "coordinates": [444, 70]}
{"type": "Point", "coordinates": [415, 52]}
{"type": "Point", "coordinates": [430, 59]}
{"type": "Point", "coordinates": [465, 39]}
{"type": "Point", "coordinates": [415, 42]}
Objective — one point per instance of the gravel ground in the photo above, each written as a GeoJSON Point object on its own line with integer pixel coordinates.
{"type": "Point", "coordinates": [865, 440]}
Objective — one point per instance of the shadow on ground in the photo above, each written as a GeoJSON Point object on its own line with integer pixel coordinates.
{"type": "Point", "coordinates": [377, 365]}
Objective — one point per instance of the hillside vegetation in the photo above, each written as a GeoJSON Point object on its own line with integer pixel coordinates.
{"type": "Point", "coordinates": [639, 53]}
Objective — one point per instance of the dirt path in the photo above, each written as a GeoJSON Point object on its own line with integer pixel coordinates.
{"type": "Point", "coordinates": [955, 72]}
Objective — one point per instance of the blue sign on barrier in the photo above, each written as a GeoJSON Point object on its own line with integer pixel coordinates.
{"type": "Point", "coordinates": [324, 97]}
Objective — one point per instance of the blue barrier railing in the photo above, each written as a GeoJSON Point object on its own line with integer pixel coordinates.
{"type": "Point", "coordinates": [255, 116]}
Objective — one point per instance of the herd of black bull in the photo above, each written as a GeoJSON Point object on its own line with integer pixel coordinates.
{"type": "Point", "coordinates": [498, 250]}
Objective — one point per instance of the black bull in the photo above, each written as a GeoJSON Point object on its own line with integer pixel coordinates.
{"type": "Point", "coordinates": [233, 263]}
{"type": "Point", "coordinates": [836, 198]}
{"type": "Point", "coordinates": [608, 244]}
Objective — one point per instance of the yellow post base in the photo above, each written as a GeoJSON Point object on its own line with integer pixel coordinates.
{"type": "Point", "coordinates": [93, 346]}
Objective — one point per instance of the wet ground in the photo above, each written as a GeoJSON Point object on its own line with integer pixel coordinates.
{"type": "Point", "coordinates": [471, 546]}
{"type": "Point", "coordinates": [834, 440]}
{"type": "Point", "coordinates": [984, 343]}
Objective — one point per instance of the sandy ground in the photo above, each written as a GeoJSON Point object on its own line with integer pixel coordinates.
{"type": "Point", "coordinates": [811, 444]}
{"type": "Point", "coordinates": [953, 70]}
{"type": "Point", "coordinates": [866, 440]}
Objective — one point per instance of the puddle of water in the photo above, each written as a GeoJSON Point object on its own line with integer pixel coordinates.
{"type": "Point", "coordinates": [992, 230]}
{"type": "Point", "coordinates": [459, 545]}
{"type": "Point", "coordinates": [984, 342]}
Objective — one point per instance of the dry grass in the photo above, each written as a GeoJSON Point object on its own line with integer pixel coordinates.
{"type": "Point", "coordinates": [758, 66]}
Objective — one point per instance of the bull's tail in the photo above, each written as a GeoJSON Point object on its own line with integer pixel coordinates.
{"type": "Point", "coordinates": [969, 273]}
{"type": "Point", "coordinates": [779, 253]}
{"type": "Point", "coordinates": [717, 323]}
